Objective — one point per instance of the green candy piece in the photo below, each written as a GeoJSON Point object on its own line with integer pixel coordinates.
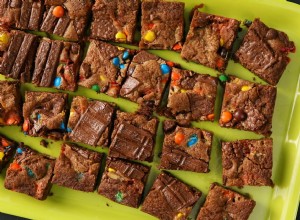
{"type": "Point", "coordinates": [223, 78]}
{"type": "Point", "coordinates": [119, 196]}
{"type": "Point", "coordinates": [96, 88]}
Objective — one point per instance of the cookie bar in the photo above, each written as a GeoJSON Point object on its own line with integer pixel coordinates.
{"type": "Point", "coordinates": [247, 162]}
{"type": "Point", "coordinates": [77, 168]}
{"type": "Point", "coordinates": [104, 67]}
{"type": "Point", "coordinates": [169, 198]}
{"type": "Point", "coordinates": [45, 114]}
{"type": "Point", "coordinates": [133, 136]}
{"type": "Point", "coordinates": [90, 121]}
{"type": "Point", "coordinates": [222, 203]}
{"type": "Point", "coordinates": [264, 51]}
{"type": "Point", "coordinates": [30, 173]}
{"type": "Point", "coordinates": [147, 76]}
{"type": "Point", "coordinates": [185, 148]}
{"type": "Point", "coordinates": [162, 25]}
{"type": "Point", "coordinates": [248, 106]}
{"type": "Point", "coordinates": [210, 40]}
{"type": "Point", "coordinates": [123, 181]}
{"type": "Point", "coordinates": [114, 20]}
{"type": "Point", "coordinates": [10, 103]}
{"type": "Point", "coordinates": [192, 96]}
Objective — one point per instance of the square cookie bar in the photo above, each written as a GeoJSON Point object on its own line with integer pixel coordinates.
{"type": "Point", "coordinates": [77, 168]}
{"type": "Point", "coordinates": [169, 198]}
{"type": "Point", "coordinates": [222, 203]}
{"type": "Point", "coordinates": [17, 53]}
{"type": "Point", "coordinates": [66, 18]}
{"type": "Point", "coordinates": [57, 64]}
{"type": "Point", "coordinates": [162, 25]}
{"type": "Point", "coordinates": [7, 149]}
{"type": "Point", "coordinates": [192, 96]}
{"type": "Point", "coordinates": [104, 67]}
{"type": "Point", "coordinates": [264, 51]}
{"type": "Point", "coordinates": [123, 181]}
{"type": "Point", "coordinates": [25, 14]}
{"type": "Point", "coordinates": [90, 121]}
{"type": "Point", "coordinates": [30, 173]}
{"type": "Point", "coordinates": [248, 106]}
{"type": "Point", "coordinates": [10, 103]}
{"type": "Point", "coordinates": [147, 76]}
{"type": "Point", "coordinates": [45, 114]}
{"type": "Point", "coordinates": [210, 40]}
{"type": "Point", "coordinates": [114, 20]}
{"type": "Point", "coordinates": [133, 137]}
{"type": "Point", "coordinates": [185, 148]}
{"type": "Point", "coordinates": [247, 162]}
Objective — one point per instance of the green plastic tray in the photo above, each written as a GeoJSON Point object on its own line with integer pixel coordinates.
{"type": "Point", "coordinates": [280, 202]}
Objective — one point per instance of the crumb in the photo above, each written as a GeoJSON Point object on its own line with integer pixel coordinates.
{"type": "Point", "coordinates": [107, 205]}
{"type": "Point", "coordinates": [44, 143]}
{"type": "Point", "coordinates": [50, 194]}
{"type": "Point", "coordinates": [254, 79]}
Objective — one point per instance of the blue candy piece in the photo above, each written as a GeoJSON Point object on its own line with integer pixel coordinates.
{"type": "Point", "coordinates": [116, 61]}
{"type": "Point", "coordinates": [69, 130]}
{"type": "Point", "coordinates": [192, 140]}
{"type": "Point", "coordinates": [165, 69]}
{"type": "Point", "coordinates": [122, 66]}
{"type": "Point", "coordinates": [38, 116]}
{"type": "Point", "coordinates": [19, 150]}
{"type": "Point", "coordinates": [125, 55]}
{"type": "Point", "coordinates": [63, 126]}
{"type": "Point", "coordinates": [30, 172]}
{"type": "Point", "coordinates": [57, 81]}
{"type": "Point", "coordinates": [25, 133]}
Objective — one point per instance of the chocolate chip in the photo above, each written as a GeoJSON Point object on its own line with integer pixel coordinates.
{"type": "Point", "coordinates": [271, 34]}
{"type": "Point", "coordinates": [239, 115]}
{"type": "Point", "coordinates": [224, 53]}
{"type": "Point", "coordinates": [247, 23]}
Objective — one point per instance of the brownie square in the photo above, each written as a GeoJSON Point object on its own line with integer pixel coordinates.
{"type": "Point", "coordinates": [30, 173]}
{"type": "Point", "coordinates": [133, 136]}
{"type": "Point", "coordinates": [185, 148]}
{"type": "Point", "coordinates": [90, 121]}
{"type": "Point", "coordinates": [25, 14]}
{"type": "Point", "coordinates": [57, 64]}
{"type": "Point", "coordinates": [247, 162]}
{"type": "Point", "coordinates": [147, 76]}
{"type": "Point", "coordinates": [104, 67]}
{"type": "Point", "coordinates": [210, 40]}
{"type": "Point", "coordinates": [17, 53]}
{"type": "Point", "coordinates": [248, 106]}
{"type": "Point", "coordinates": [77, 168]}
{"type": "Point", "coordinates": [123, 181]}
{"type": "Point", "coordinates": [192, 96]}
{"type": "Point", "coordinates": [45, 114]}
{"type": "Point", "coordinates": [222, 203]}
{"type": "Point", "coordinates": [10, 103]}
{"type": "Point", "coordinates": [72, 20]}
{"type": "Point", "coordinates": [264, 51]}
{"type": "Point", "coordinates": [7, 149]}
{"type": "Point", "coordinates": [114, 20]}
{"type": "Point", "coordinates": [169, 198]}
{"type": "Point", "coordinates": [162, 25]}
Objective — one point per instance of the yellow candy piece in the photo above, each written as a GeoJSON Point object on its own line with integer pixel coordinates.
{"type": "Point", "coordinates": [102, 78]}
{"type": "Point", "coordinates": [221, 42]}
{"type": "Point", "coordinates": [121, 48]}
{"type": "Point", "coordinates": [183, 91]}
{"type": "Point", "coordinates": [1, 155]}
{"type": "Point", "coordinates": [245, 88]}
{"type": "Point", "coordinates": [120, 36]}
{"type": "Point", "coordinates": [4, 38]}
{"type": "Point", "coordinates": [149, 36]}
{"type": "Point", "coordinates": [111, 170]}
{"type": "Point", "coordinates": [179, 215]}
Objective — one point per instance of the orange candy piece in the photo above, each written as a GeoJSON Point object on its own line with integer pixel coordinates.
{"type": "Point", "coordinates": [13, 119]}
{"type": "Point", "coordinates": [4, 143]}
{"type": "Point", "coordinates": [179, 137]}
{"type": "Point", "coordinates": [15, 166]}
{"type": "Point", "coordinates": [58, 11]}
{"type": "Point", "coordinates": [211, 117]}
{"type": "Point", "coordinates": [26, 125]}
{"type": "Point", "coordinates": [150, 26]}
{"type": "Point", "coordinates": [175, 76]}
{"type": "Point", "coordinates": [226, 117]}
{"type": "Point", "coordinates": [177, 47]}
{"type": "Point", "coordinates": [170, 64]}
{"type": "Point", "coordinates": [220, 63]}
